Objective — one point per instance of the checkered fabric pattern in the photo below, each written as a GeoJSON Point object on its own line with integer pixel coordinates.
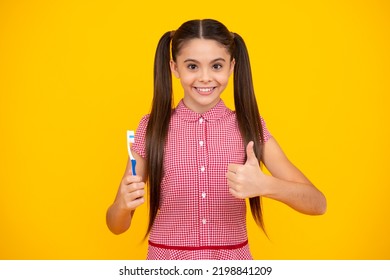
{"type": "Point", "coordinates": [198, 217]}
{"type": "Point", "coordinates": [158, 253]}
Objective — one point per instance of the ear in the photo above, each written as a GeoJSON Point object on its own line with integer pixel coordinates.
{"type": "Point", "coordinates": [232, 63]}
{"type": "Point", "coordinates": [174, 68]}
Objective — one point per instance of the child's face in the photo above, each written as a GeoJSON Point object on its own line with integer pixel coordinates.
{"type": "Point", "coordinates": [203, 67]}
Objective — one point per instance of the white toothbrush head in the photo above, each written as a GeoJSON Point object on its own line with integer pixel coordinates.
{"type": "Point", "coordinates": [130, 136]}
{"type": "Point", "coordinates": [130, 140]}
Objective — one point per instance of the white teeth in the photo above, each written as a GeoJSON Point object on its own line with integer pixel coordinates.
{"type": "Point", "coordinates": [205, 89]}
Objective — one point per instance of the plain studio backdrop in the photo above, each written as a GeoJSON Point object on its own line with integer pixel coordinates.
{"type": "Point", "coordinates": [75, 75]}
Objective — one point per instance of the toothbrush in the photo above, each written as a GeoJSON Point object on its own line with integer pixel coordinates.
{"type": "Point", "coordinates": [130, 140]}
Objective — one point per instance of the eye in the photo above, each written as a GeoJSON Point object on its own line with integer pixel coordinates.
{"type": "Point", "coordinates": [217, 66]}
{"type": "Point", "coordinates": [192, 66]}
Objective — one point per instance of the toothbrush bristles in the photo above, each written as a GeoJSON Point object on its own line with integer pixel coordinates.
{"type": "Point", "coordinates": [130, 135]}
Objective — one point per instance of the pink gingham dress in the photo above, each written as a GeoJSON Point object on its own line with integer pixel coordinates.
{"type": "Point", "coordinates": [198, 217]}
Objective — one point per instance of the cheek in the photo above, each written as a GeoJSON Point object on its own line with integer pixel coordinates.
{"type": "Point", "coordinates": [223, 79]}
{"type": "Point", "coordinates": [184, 84]}
{"type": "Point", "coordinates": [187, 80]}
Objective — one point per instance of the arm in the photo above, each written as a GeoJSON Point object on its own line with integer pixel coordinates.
{"type": "Point", "coordinates": [287, 183]}
{"type": "Point", "coordinates": [130, 195]}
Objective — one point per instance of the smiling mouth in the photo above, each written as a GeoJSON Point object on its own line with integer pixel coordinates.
{"type": "Point", "coordinates": [205, 90]}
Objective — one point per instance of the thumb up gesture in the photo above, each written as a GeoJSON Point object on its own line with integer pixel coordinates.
{"type": "Point", "coordinates": [246, 180]}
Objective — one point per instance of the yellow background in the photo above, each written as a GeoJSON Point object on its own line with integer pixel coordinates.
{"type": "Point", "coordinates": [75, 75]}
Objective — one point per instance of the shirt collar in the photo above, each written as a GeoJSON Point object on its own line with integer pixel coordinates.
{"type": "Point", "coordinates": [214, 114]}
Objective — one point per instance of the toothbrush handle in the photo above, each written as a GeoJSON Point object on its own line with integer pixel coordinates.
{"type": "Point", "coordinates": [133, 163]}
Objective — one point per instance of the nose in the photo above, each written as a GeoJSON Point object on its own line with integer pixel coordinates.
{"type": "Point", "coordinates": [205, 76]}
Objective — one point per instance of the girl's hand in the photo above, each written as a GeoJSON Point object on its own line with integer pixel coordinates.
{"type": "Point", "coordinates": [129, 196]}
{"type": "Point", "coordinates": [131, 192]}
{"type": "Point", "coordinates": [246, 180]}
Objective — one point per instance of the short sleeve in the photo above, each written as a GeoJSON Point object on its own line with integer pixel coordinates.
{"type": "Point", "coordinates": [139, 145]}
{"type": "Point", "coordinates": [266, 133]}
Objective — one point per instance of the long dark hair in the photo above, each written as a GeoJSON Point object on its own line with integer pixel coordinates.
{"type": "Point", "coordinates": [162, 105]}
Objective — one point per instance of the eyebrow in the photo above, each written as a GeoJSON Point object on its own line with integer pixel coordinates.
{"type": "Point", "coordinates": [214, 60]}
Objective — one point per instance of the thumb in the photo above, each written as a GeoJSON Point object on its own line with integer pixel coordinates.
{"type": "Point", "coordinates": [250, 154]}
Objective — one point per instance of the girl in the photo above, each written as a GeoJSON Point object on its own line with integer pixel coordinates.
{"type": "Point", "coordinates": [201, 160]}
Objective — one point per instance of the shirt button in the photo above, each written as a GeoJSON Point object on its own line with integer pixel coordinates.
{"type": "Point", "coordinates": [202, 169]}
{"type": "Point", "coordinates": [201, 143]}
{"type": "Point", "coordinates": [201, 120]}
{"type": "Point", "coordinates": [203, 195]}
{"type": "Point", "coordinates": [204, 221]}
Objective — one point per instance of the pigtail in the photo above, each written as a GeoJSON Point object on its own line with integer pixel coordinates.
{"type": "Point", "coordinates": [158, 124]}
{"type": "Point", "coordinates": [247, 112]}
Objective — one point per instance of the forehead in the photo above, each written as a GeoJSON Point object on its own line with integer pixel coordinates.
{"type": "Point", "coordinates": [202, 49]}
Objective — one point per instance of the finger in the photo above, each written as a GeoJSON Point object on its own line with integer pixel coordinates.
{"type": "Point", "coordinates": [134, 195]}
{"type": "Point", "coordinates": [129, 179]}
{"type": "Point", "coordinates": [135, 203]}
{"type": "Point", "coordinates": [235, 193]}
{"type": "Point", "coordinates": [250, 154]}
{"type": "Point", "coordinates": [233, 167]}
{"type": "Point", "coordinates": [133, 187]}
{"type": "Point", "coordinates": [231, 177]}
